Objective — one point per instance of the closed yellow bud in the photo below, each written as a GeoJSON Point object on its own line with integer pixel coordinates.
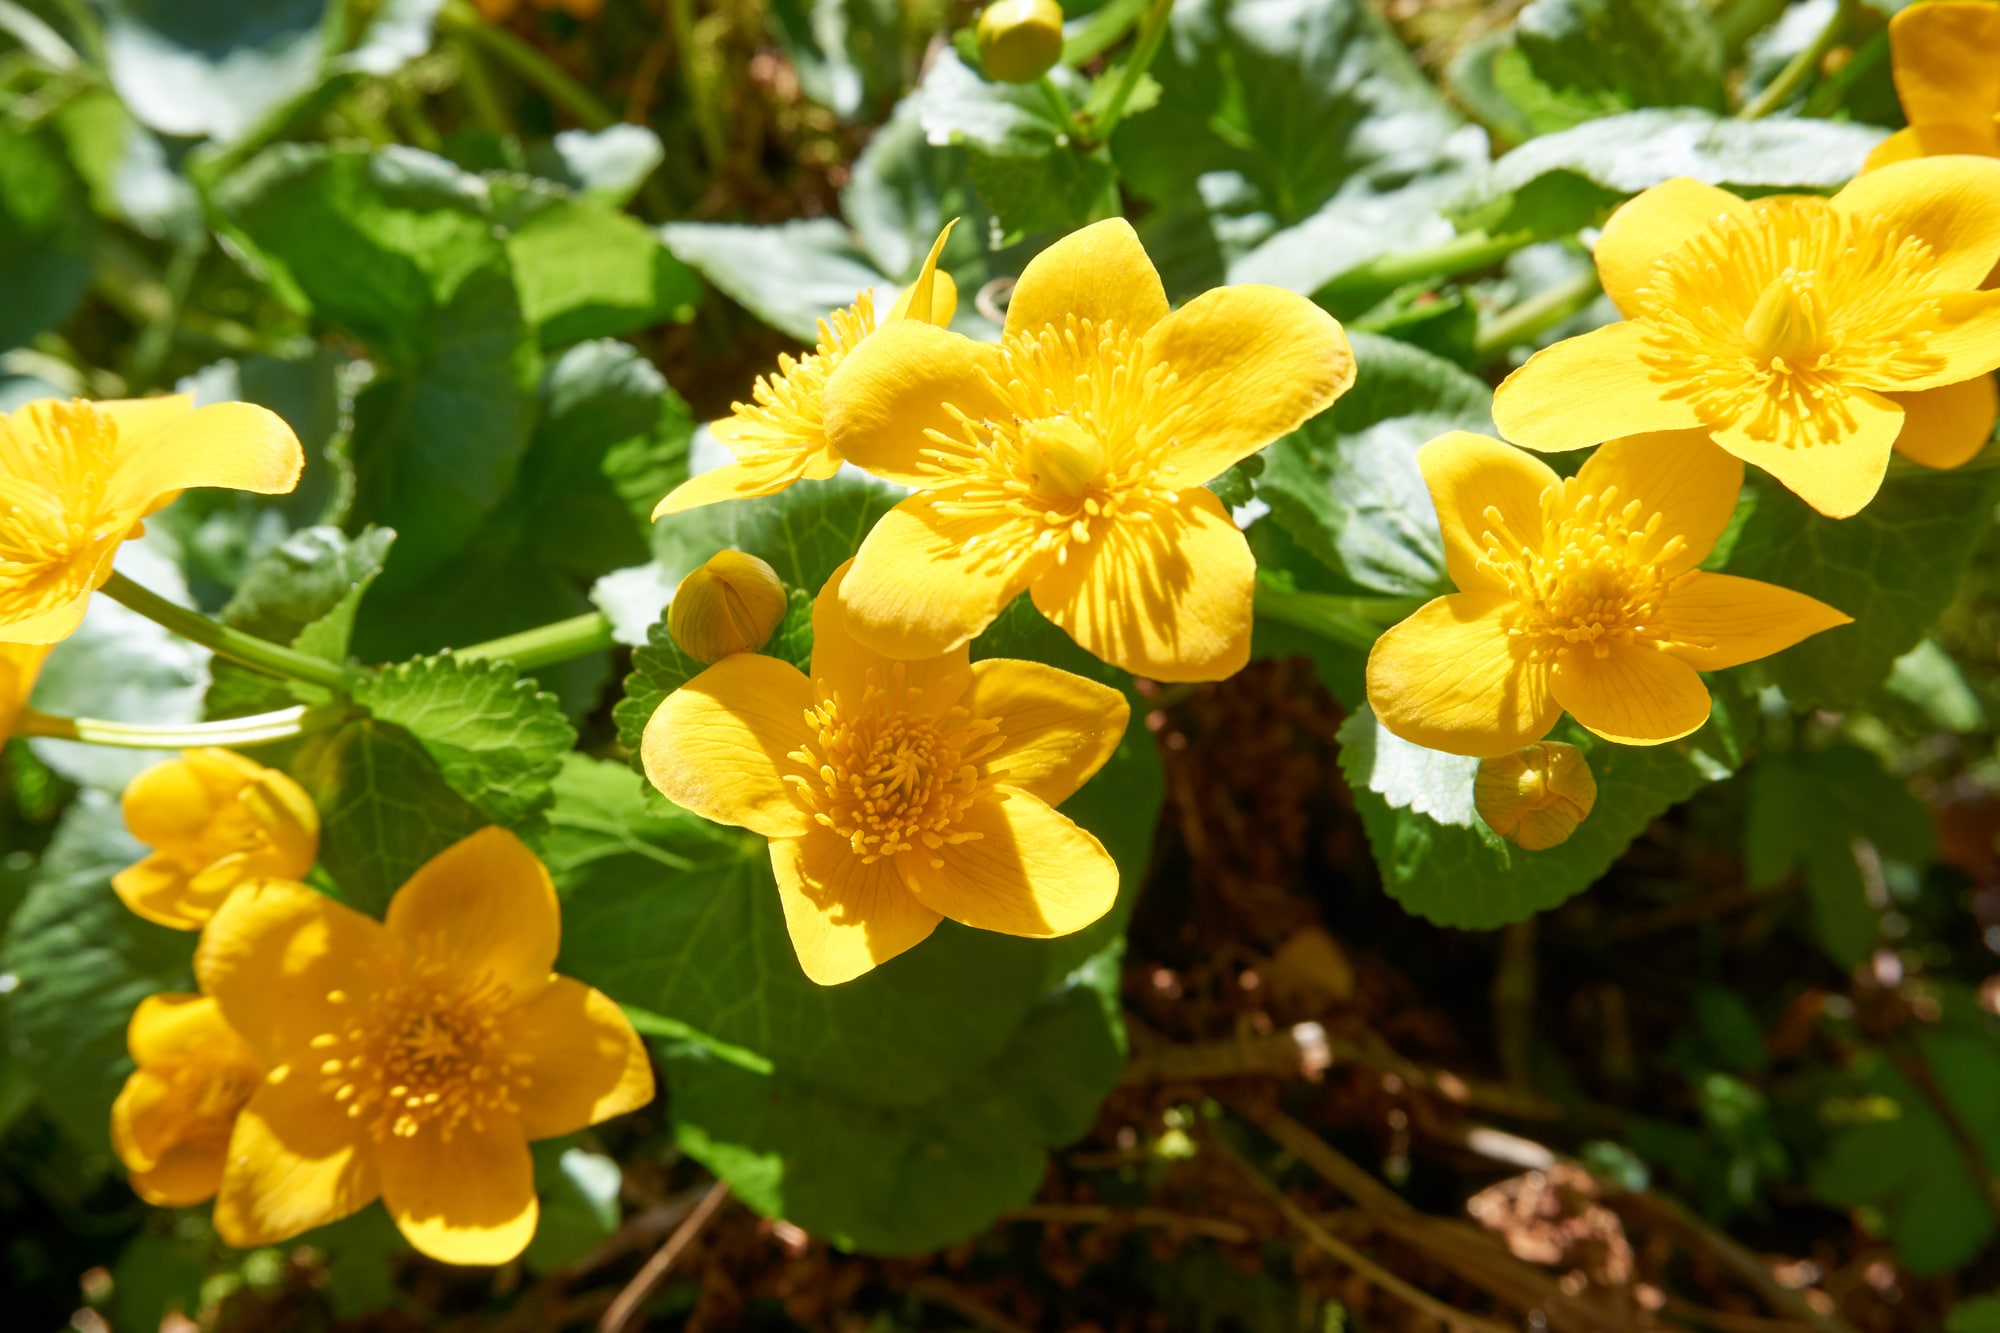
{"type": "Point", "coordinates": [171, 1123]}
{"type": "Point", "coordinates": [729, 605]}
{"type": "Point", "coordinates": [1537, 795]}
{"type": "Point", "coordinates": [1020, 40]}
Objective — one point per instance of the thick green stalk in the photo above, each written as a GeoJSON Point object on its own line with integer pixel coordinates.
{"type": "Point", "coordinates": [1539, 313]}
{"type": "Point", "coordinates": [251, 651]}
{"type": "Point", "coordinates": [230, 733]}
{"type": "Point", "coordinates": [1059, 107]}
{"type": "Point", "coordinates": [1152, 31]}
{"type": "Point", "coordinates": [1799, 68]}
{"type": "Point", "coordinates": [546, 644]}
{"type": "Point", "coordinates": [1460, 254]}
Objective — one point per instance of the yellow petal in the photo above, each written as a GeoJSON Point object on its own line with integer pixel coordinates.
{"type": "Point", "coordinates": [718, 744]}
{"type": "Point", "coordinates": [1249, 364]}
{"type": "Point", "coordinates": [287, 818]}
{"type": "Point", "coordinates": [899, 383]}
{"type": "Point", "coordinates": [466, 1199]}
{"type": "Point", "coordinates": [169, 803]}
{"type": "Point", "coordinates": [239, 446]}
{"type": "Point", "coordinates": [142, 422]}
{"type": "Point", "coordinates": [1635, 694]}
{"type": "Point", "coordinates": [930, 576]}
{"type": "Point", "coordinates": [1902, 146]}
{"type": "Point", "coordinates": [20, 663]}
{"type": "Point", "coordinates": [1837, 479]}
{"type": "Point", "coordinates": [187, 1174]}
{"type": "Point", "coordinates": [483, 907]}
{"type": "Point", "coordinates": [1952, 204]}
{"type": "Point", "coordinates": [1681, 476]}
{"type": "Point", "coordinates": [1720, 620]}
{"type": "Point", "coordinates": [1966, 338]}
{"type": "Point", "coordinates": [296, 1161]}
{"type": "Point", "coordinates": [1946, 76]}
{"type": "Point", "coordinates": [734, 481]}
{"type": "Point", "coordinates": [1030, 871]}
{"type": "Point", "coordinates": [59, 622]}
{"type": "Point", "coordinates": [1652, 224]}
{"type": "Point", "coordinates": [161, 892]}
{"type": "Point", "coordinates": [1099, 273]}
{"type": "Point", "coordinates": [845, 916]}
{"type": "Point", "coordinates": [842, 666]}
{"type": "Point", "coordinates": [1170, 599]}
{"type": "Point", "coordinates": [1946, 427]}
{"type": "Point", "coordinates": [167, 1028]}
{"type": "Point", "coordinates": [273, 953]}
{"type": "Point", "coordinates": [1586, 390]}
{"type": "Point", "coordinates": [144, 1120]}
{"type": "Point", "coordinates": [1056, 729]}
{"type": "Point", "coordinates": [581, 1059]}
{"type": "Point", "coordinates": [1468, 474]}
{"type": "Point", "coordinates": [933, 297]}
{"type": "Point", "coordinates": [1450, 678]}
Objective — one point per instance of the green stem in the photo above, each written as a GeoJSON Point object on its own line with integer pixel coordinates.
{"type": "Point", "coordinates": [230, 733]}
{"type": "Point", "coordinates": [1799, 68]}
{"type": "Point", "coordinates": [702, 101]}
{"type": "Point", "coordinates": [1536, 315]}
{"type": "Point", "coordinates": [1357, 621]}
{"type": "Point", "coordinates": [409, 117]}
{"type": "Point", "coordinates": [223, 641]}
{"type": "Point", "coordinates": [1460, 254]}
{"type": "Point", "coordinates": [546, 644]}
{"type": "Point", "coordinates": [1152, 31]}
{"type": "Point", "coordinates": [1101, 31]}
{"type": "Point", "coordinates": [554, 82]}
{"type": "Point", "coordinates": [1060, 106]}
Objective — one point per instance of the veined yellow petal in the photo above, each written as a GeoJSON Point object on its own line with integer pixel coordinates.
{"type": "Point", "coordinates": [1681, 476]}
{"type": "Point", "coordinates": [1838, 478]}
{"type": "Point", "coordinates": [718, 745]}
{"type": "Point", "coordinates": [1949, 83]}
{"type": "Point", "coordinates": [1469, 474]}
{"type": "Point", "coordinates": [931, 575]}
{"type": "Point", "coordinates": [483, 907]}
{"type": "Point", "coordinates": [1170, 599]}
{"type": "Point", "coordinates": [933, 297]}
{"type": "Point", "coordinates": [581, 1060]}
{"type": "Point", "coordinates": [1586, 390]}
{"type": "Point", "coordinates": [160, 891]}
{"type": "Point", "coordinates": [843, 666]}
{"type": "Point", "coordinates": [1249, 364]}
{"type": "Point", "coordinates": [1902, 146]}
{"type": "Point", "coordinates": [239, 446]}
{"type": "Point", "coordinates": [1030, 871]}
{"type": "Point", "coordinates": [1056, 728]}
{"type": "Point", "coordinates": [845, 916]}
{"type": "Point", "coordinates": [275, 954]}
{"type": "Point", "coordinates": [1951, 204]}
{"type": "Point", "coordinates": [1099, 273]}
{"type": "Point", "coordinates": [1634, 694]}
{"type": "Point", "coordinates": [1965, 339]}
{"type": "Point", "coordinates": [1720, 620]}
{"type": "Point", "coordinates": [1651, 224]}
{"type": "Point", "coordinates": [465, 1199]}
{"type": "Point", "coordinates": [904, 379]}
{"type": "Point", "coordinates": [53, 626]}
{"type": "Point", "coordinates": [1946, 427]}
{"type": "Point", "coordinates": [1451, 679]}
{"type": "Point", "coordinates": [296, 1161]}
{"type": "Point", "coordinates": [734, 481]}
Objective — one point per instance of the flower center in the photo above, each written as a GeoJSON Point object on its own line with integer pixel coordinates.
{"type": "Point", "coordinates": [1597, 578]}
{"type": "Point", "coordinates": [1062, 456]}
{"type": "Point", "coordinates": [422, 1050]}
{"type": "Point", "coordinates": [1768, 326]}
{"type": "Point", "coordinates": [52, 520]}
{"type": "Point", "coordinates": [887, 775]}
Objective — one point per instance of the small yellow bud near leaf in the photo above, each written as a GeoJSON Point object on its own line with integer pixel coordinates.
{"type": "Point", "coordinates": [1537, 795]}
{"type": "Point", "coordinates": [729, 605]}
{"type": "Point", "coordinates": [1020, 40]}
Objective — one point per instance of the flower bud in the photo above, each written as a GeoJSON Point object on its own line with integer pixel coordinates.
{"type": "Point", "coordinates": [729, 605]}
{"type": "Point", "coordinates": [171, 1123]}
{"type": "Point", "coordinates": [1537, 795]}
{"type": "Point", "coordinates": [1020, 40]}
{"type": "Point", "coordinates": [215, 821]}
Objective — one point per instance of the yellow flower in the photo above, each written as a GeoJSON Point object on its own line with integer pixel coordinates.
{"type": "Point", "coordinates": [171, 1123]}
{"type": "Point", "coordinates": [781, 437]}
{"type": "Point", "coordinates": [20, 663]}
{"type": "Point", "coordinates": [1579, 594]}
{"type": "Point", "coordinates": [731, 604]}
{"type": "Point", "coordinates": [1948, 79]}
{"type": "Point", "coordinates": [1805, 335]}
{"type": "Point", "coordinates": [216, 821]}
{"type": "Point", "coordinates": [897, 793]}
{"type": "Point", "coordinates": [1536, 796]}
{"type": "Point", "coordinates": [77, 478]}
{"type": "Point", "coordinates": [412, 1058]}
{"type": "Point", "coordinates": [1069, 460]}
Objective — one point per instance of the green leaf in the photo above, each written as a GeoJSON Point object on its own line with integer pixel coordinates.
{"type": "Point", "coordinates": [46, 235]}
{"type": "Point", "coordinates": [579, 1204]}
{"type": "Point", "coordinates": [307, 391]}
{"type": "Point", "coordinates": [159, 1273]}
{"type": "Point", "coordinates": [587, 271]}
{"type": "Point", "coordinates": [305, 593]}
{"type": "Point", "coordinates": [1441, 862]}
{"type": "Point", "coordinates": [901, 193]}
{"type": "Point", "coordinates": [1345, 486]}
{"type": "Point", "coordinates": [398, 33]}
{"type": "Point", "coordinates": [1981, 1314]}
{"type": "Point", "coordinates": [789, 276]}
{"type": "Point", "coordinates": [1893, 567]}
{"type": "Point", "coordinates": [84, 962]}
{"type": "Point", "coordinates": [1631, 53]}
{"type": "Point", "coordinates": [804, 532]}
{"type": "Point", "coordinates": [211, 70]}
{"type": "Point", "coordinates": [659, 667]}
{"type": "Point", "coordinates": [608, 165]}
{"type": "Point", "coordinates": [496, 739]}
{"type": "Point", "coordinates": [1026, 169]}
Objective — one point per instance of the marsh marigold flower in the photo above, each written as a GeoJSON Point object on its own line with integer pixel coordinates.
{"type": "Point", "coordinates": [897, 793]}
{"type": "Point", "coordinates": [730, 604]}
{"type": "Point", "coordinates": [412, 1058]}
{"type": "Point", "coordinates": [1536, 796]}
{"type": "Point", "coordinates": [1069, 459]}
{"type": "Point", "coordinates": [1808, 336]}
{"type": "Point", "coordinates": [171, 1123]}
{"type": "Point", "coordinates": [216, 821]}
{"type": "Point", "coordinates": [1580, 595]}
{"type": "Point", "coordinates": [781, 437]}
{"type": "Point", "coordinates": [20, 663]}
{"type": "Point", "coordinates": [1946, 58]}
{"type": "Point", "coordinates": [77, 478]}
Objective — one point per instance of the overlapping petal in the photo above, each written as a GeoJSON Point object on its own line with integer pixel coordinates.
{"type": "Point", "coordinates": [1450, 678]}
{"type": "Point", "coordinates": [293, 1164]}
{"type": "Point", "coordinates": [843, 667]}
{"type": "Point", "coordinates": [930, 576]}
{"type": "Point", "coordinates": [483, 907]}
{"type": "Point", "coordinates": [1469, 474]}
{"type": "Point", "coordinates": [1720, 620]}
{"type": "Point", "coordinates": [905, 379]}
{"type": "Point", "coordinates": [1650, 225]}
{"type": "Point", "coordinates": [1585, 390]}
{"type": "Point", "coordinates": [1679, 475]}
{"type": "Point", "coordinates": [1057, 729]}
{"type": "Point", "coordinates": [273, 956]}
{"type": "Point", "coordinates": [1837, 478]}
{"type": "Point", "coordinates": [466, 1198]}
{"type": "Point", "coordinates": [1099, 273]}
{"type": "Point", "coordinates": [581, 1060]}
{"type": "Point", "coordinates": [1633, 693]}
{"type": "Point", "coordinates": [1951, 204]}
{"type": "Point", "coordinates": [1946, 427]}
{"type": "Point", "coordinates": [845, 915]}
{"type": "Point", "coordinates": [718, 745]}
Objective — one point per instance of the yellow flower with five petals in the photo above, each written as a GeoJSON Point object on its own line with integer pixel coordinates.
{"type": "Point", "coordinates": [412, 1058]}
{"type": "Point", "coordinates": [171, 1123]}
{"type": "Point", "coordinates": [1808, 336]}
{"type": "Point", "coordinates": [1943, 53]}
{"type": "Point", "coordinates": [1578, 595]}
{"type": "Point", "coordinates": [77, 478]}
{"type": "Point", "coordinates": [780, 437]}
{"type": "Point", "coordinates": [895, 794]}
{"type": "Point", "coordinates": [1069, 459]}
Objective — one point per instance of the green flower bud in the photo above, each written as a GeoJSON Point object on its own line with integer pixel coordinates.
{"type": "Point", "coordinates": [1536, 796]}
{"type": "Point", "coordinates": [1020, 40]}
{"type": "Point", "coordinates": [729, 605]}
